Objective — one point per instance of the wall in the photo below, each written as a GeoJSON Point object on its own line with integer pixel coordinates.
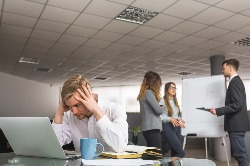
{"type": "Point", "coordinates": [22, 97]}
{"type": "Point", "coordinates": [134, 119]}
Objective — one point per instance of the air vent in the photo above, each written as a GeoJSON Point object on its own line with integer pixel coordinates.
{"type": "Point", "coordinates": [184, 73]}
{"type": "Point", "coordinates": [242, 42]}
{"type": "Point", "coordinates": [100, 78]}
{"type": "Point", "coordinates": [43, 69]}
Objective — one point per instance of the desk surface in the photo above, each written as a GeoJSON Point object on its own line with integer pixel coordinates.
{"type": "Point", "coordinates": [7, 159]}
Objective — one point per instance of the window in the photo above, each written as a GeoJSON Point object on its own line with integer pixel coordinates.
{"type": "Point", "coordinates": [124, 95]}
{"type": "Point", "coordinates": [127, 95]}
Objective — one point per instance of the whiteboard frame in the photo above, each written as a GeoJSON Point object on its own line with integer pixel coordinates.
{"type": "Point", "coordinates": [198, 122]}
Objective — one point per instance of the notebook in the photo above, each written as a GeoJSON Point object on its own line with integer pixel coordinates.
{"type": "Point", "coordinates": [135, 151]}
{"type": "Point", "coordinates": [123, 155]}
{"type": "Point", "coordinates": [33, 136]}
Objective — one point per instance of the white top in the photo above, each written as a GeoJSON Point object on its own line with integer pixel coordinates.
{"type": "Point", "coordinates": [111, 130]}
{"type": "Point", "coordinates": [165, 117]}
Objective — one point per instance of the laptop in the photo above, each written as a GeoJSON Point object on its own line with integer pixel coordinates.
{"type": "Point", "coordinates": [33, 136]}
{"type": "Point", "coordinates": [39, 161]}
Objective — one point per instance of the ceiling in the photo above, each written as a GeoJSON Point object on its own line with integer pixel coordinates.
{"type": "Point", "coordinates": [83, 37]}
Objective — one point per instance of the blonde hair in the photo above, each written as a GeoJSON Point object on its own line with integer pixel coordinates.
{"type": "Point", "coordinates": [166, 100]}
{"type": "Point", "coordinates": [151, 81]}
{"type": "Point", "coordinates": [71, 85]}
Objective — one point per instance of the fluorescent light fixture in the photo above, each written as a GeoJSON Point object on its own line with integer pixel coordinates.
{"type": "Point", "coordinates": [136, 15]}
{"type": "Point", "coordinates": [29, 60]}
{"type": "Point", "coordinates": [242, 42]}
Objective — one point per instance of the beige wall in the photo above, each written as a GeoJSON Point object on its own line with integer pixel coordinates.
{"type": "Point", "coordinates": [23, 97]}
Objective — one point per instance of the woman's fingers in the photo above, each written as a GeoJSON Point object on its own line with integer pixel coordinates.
{"type": "Point", "coordinates": [175, 122]}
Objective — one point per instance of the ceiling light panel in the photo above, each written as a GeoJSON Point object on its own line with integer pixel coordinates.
{"type": "Point", "coordinates": [136, 15]}
{"type": "Point", "coordinates": [29, 60]}
{"type": "Point", "coordinates": [243, 42]}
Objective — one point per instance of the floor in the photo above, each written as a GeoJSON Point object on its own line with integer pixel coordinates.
{"type": "Point", "coordinates": [199, 153]}
{"type": "Point", "coordinates": [193, 152]}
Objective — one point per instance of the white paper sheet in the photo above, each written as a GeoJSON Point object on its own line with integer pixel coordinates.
{"type": "Point", "coordinates": [118, 162]}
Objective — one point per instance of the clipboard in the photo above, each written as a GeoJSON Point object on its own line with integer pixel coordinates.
{"type": "Point", "coordinates": [204, 109]}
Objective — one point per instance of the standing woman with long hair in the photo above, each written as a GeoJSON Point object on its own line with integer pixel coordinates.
{"type": "Point", "coordinates": [171, 121]}
{"type": "Point", "coordinates": [150, 109]}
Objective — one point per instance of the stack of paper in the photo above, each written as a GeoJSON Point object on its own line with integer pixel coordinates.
{"type": "Point", "coordinates": [121, 155]}
{"type": "Point", "coordinates": [138, 149]}
{"type": "Point", "coordinates": [133, 151]}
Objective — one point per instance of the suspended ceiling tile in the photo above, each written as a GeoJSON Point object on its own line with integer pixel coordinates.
{"type": "Point", "coordinates": [22, 7]}
{"type": "Point", "coordinates": [15, 30]}
{"type": "Point", "coordinates": [131, 40]}
{"type": "Point", "coordinates": [39, 1]}
{"type": "Point", "coordinates": [168, 22]}
{"type": "Point", "coordinates": [45, 35]}
{"type": "Point", "coordinates": [51, 26]}
{"type": "Point", "coordinates": [72, 39]}
{"type": "Point", "coordinates": [212, 15]}
{"type": "Point", "coordinates": [230, 37]}
{"type": "Point", "coordinates": [18, 20]}
{"type": "Point", "coordinates": [188, 9]}
{"type": "Point", "coordinates": [234, 22]}
{"type": "Point", "coordinates": [210, 44]}
{"type": "Point", "coordinates": [169, 36]}
{"type": "Point", "coordinates": [126, 2]}
{"type": "Point", "coordinates": [120, 26]}
{"type": "Point", "coordinates": [235, 6]}
{"type": "Point", "coordinates": [98, 8]}
{"type": "Point", "coordinates": [75, 5]}
{"type": "Point", "coordinates": [59, 14]}
{"type": "Point", "coordinates": [211, 32]}
{"type": "Point", "coordinates": [81, 31]}
{"type": "Point", "coordinates": [152, 5]}
{"type": "Point", "coordinates": [97, 43]}
{"type": "Point", "coordinates": [146, 32]}
{"type": "Point", "coordinates": [246, 12]}
{"type": "Point", "coordinates": [191, 41]}
{"type": "Point", "coordinates": [188, 27]}
{"type": "Point", "coordinates": [108, 36]}
{"type": "Point", "coordinates": [91, 21]}
{"type": "Point", "coordinates": [244, 30]}
{"type": "Point", "coordinates": [153, 44]}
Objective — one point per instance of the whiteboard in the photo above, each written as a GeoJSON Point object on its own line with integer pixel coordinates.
{"type": "Point", "coordinates": [203, 92]}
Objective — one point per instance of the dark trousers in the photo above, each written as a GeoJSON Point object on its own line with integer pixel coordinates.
{"type": "Point", "coordinates": [238, 147]}
{"type": "Point", "coordinates": [173, 136]}
{"type": "Point", "coordinates": [153, 138]}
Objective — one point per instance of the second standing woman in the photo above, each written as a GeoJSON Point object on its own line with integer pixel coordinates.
{"type": "Point", "coordinates": [172, 122]}
{"type": "Point", "coordinates": [150, 110]}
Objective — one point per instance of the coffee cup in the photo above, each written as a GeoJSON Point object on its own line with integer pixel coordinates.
{"type": "Point", "coordinates": [88, 148]}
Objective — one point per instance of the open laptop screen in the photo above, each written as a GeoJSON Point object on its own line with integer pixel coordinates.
{"type": "Point", "coordinates": [32, 136]}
